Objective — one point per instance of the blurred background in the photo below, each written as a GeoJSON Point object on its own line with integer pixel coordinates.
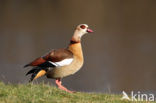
{"type": "Point", "coordinates": [119, 55]}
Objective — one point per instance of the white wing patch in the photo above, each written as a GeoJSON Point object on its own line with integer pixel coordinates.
{"type": "Point", "coordinates": [62, 63]}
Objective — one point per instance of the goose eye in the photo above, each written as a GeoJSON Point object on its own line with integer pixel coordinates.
{"type": "Point", "coordinates": [82, 27]}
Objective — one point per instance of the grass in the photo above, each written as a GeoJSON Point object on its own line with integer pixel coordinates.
{"type": "Point", "coordinates": [42, 93]}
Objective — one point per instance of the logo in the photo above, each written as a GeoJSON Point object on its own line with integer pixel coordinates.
{"type": "Point", "coordinates": [138, 96]}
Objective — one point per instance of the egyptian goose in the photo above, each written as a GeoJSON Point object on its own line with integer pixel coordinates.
{"type": "Point", "coordinates": [60, 63]}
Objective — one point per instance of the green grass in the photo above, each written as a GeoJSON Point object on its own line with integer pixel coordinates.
{"type": "Point", "coordinates": [42, 93]}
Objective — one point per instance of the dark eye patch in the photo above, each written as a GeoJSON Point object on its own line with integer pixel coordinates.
{"type": "Point", "coordinates": [82, 26]}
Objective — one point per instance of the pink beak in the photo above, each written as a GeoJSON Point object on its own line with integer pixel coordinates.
{"type": "Point", "coordinates": [89, 30]}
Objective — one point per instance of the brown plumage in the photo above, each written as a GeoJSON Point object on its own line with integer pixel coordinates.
{"type": "Point", "coordinates": [53, 56]}
{"type": "Point", "coordinates": [61, 62]}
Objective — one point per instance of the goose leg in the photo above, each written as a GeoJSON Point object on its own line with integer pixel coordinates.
{"type": "Point", "coordinates": [60, 86]}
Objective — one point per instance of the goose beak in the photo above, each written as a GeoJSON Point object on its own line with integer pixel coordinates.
{"type": "Point", "coordinates": [89, 30]}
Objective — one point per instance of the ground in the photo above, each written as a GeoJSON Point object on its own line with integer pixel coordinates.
{"type": "Point", "coordinates": [43, 93]}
